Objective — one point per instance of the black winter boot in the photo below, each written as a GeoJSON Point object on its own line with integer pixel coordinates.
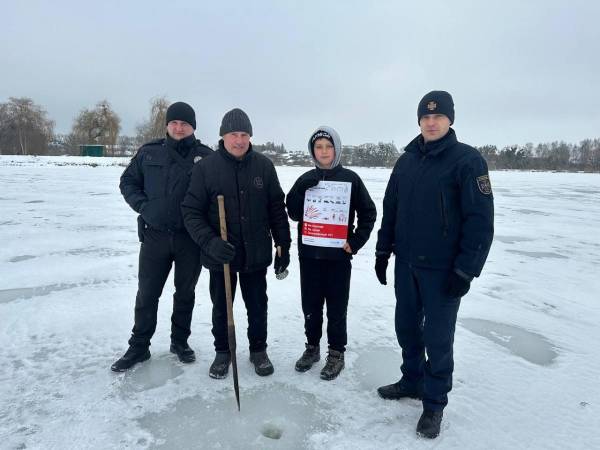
{"type": "Point", "coordinates": [311, 355]}
{"type": "Point", "coordinates": [396, 391]}
{"type": "Point", "coordinates": [220, 366]}
{"type": "Point", "coordinates": [429, 424]}
{"type": "Point", "coordinates": [132, 356]}
{"type": "Point", "coordinates": [262, 363]}
{"type": "Point", "coordinates": [183, 352]}
{"type": "Point", "coordinates": [333, 366]}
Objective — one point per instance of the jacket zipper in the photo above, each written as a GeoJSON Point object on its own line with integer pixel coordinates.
{"type": "Point", "coordinates": [444, 216]}
{"type": "Point", "coordinates": [411, 202]}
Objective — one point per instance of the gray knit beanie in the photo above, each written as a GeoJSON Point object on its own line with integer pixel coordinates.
{"type": "Point", "coordinates": [235, 120]}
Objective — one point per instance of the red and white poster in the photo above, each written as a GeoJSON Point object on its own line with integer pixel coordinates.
{"type": "Point", "coordinates": [326, 209]}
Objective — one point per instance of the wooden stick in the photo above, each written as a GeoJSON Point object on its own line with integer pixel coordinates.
{"type": "Point", "coordinates": [229, 299]}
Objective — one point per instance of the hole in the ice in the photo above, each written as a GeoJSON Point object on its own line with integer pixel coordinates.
{"type": "Point", "coordinates": [271, 431]}
{"type": "Point", "coordinates": [273, 415]}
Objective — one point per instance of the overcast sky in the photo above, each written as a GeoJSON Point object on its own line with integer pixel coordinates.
{"type": "Point", "coordinates": [519, 71]}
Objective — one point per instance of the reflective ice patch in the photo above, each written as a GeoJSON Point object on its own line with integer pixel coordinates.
{"type": "Point", "coordinates": [530, 346]}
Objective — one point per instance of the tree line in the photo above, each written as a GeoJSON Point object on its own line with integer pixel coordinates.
{"type": "Point", "coordinates": [383, 154]}
{"type": "Point", "coordinates": [26, 129]}
{"type": "Point", "coordinates": [563, 156]}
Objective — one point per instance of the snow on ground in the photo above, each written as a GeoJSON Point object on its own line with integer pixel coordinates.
{"type": "Point", "coordinates": [527, 343]}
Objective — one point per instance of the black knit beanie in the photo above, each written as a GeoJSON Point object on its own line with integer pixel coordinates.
{"type": "Point", "coordinates": [235, 120]}
{"type": "Point", "coordinates": [181, 111]}
{"type": "Point", "coordinates": [436, 102]}
{"type": "Point", "coordinates": [320, 134]}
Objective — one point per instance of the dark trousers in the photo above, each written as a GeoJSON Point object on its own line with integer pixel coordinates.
{"type": "Point", "coordinates": [325, 281]}
{"type": "Point", "coordinates": [425, 322]}
{"type": "Point", "coordinates": [254, 294]}
{"type": "Point", "coordinates": [158, 252]}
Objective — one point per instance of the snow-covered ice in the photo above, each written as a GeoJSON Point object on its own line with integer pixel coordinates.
{"type": "Point", "coordinates": [527, 349]}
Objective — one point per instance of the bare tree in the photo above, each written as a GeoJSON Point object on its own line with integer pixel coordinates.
{"type": "Point", "coordinates": [126, 146]}
{"type": "Point", "coordinates": [63, 144]}
{"type": "Point", "coordinates": [154, 127]}
{"type": "Point", "coordinates": [594, 159]}
{"type": "Point", "coordinates": [24, 127]}
{"type": "Point", "coordinates": [100, 125]}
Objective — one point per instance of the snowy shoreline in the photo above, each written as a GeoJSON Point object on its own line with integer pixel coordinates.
{"type": "Point", "coordinates": [123, 161]}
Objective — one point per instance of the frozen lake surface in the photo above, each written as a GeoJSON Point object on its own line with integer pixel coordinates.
{"type": "Point", "coordinates": [527, 350]}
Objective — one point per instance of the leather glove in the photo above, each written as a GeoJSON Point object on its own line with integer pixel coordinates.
{"type": "Point", "coordinates": [220, 250]}
{"type": "Point", "coordinates": [381, 263]}
{"type": "Point", "coordinates": [282, 262]}
{"type": "Point", "coordinates": [305, 184]}
{"type": "Point", "coordinates": [457, 286]}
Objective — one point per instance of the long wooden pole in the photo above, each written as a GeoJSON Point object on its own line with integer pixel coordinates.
{"type": "Point", "coordinates": [229, 299]}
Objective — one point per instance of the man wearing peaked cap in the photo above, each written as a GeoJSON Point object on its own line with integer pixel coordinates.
{"type": "Point", "coordinates": [154, 185]}
{"type": "Point", "coordinates": [438, 221]}
{"type": "Point", "coordinates": [255, 213]}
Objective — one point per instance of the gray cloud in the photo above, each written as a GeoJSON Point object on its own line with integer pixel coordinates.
{"type": "Point", "coordinates": [519, 71]}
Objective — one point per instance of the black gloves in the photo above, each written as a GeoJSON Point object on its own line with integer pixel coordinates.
{"type": "Point", "coordinates": [305, 184]}
{"type": "Point", "coordinates": [282, 262]}
{"type": "Point", "coordinates": [381, 263]}
{"type": "Point", "coordinates": [220, 250]}
{"type": "Point", "coordinates": [457, 286]}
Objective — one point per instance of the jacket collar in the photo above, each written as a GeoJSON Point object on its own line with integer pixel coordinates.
{"type": "Point", "coordinates": [432, 148]}
{"type": "Point", "coordinates": [182, 146]}
{"type": "Point", "coordinates": [327, 173]}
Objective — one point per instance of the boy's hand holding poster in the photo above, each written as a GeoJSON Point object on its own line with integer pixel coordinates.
{"type": "Point", "coordinates": [326, 209]}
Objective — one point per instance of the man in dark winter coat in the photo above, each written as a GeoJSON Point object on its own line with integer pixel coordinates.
{"type": "Point", "coordinates": [325, 270]}
{"type": "Point", "coordinates": [438, 219]}
{"type": "Point", "coordinates": [154, 185]}
{"type": "Point", "coordinates": [255, 213]}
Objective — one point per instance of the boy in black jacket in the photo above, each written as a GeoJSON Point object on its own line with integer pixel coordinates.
{"type": "Point", "coordinates": [325, 263]}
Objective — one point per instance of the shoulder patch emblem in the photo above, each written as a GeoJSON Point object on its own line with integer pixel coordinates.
{"type": "Point", "coordinates": [258, 182]}
{"type": "Point", "coordinates": [197, 159]}
{"type": "Point", "coordinates": [484, 184]}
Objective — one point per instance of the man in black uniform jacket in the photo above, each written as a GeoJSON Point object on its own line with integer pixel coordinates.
{"type": "Point", "coordinates": [438, 219]}
{"type": "Point", "coordinates": [154, 185]}
{"type": "Point", "coordinates": [255, 212]}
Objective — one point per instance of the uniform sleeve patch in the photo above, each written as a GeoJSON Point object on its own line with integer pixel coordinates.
{"type": "Point", "coordinates": [484, 184]}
